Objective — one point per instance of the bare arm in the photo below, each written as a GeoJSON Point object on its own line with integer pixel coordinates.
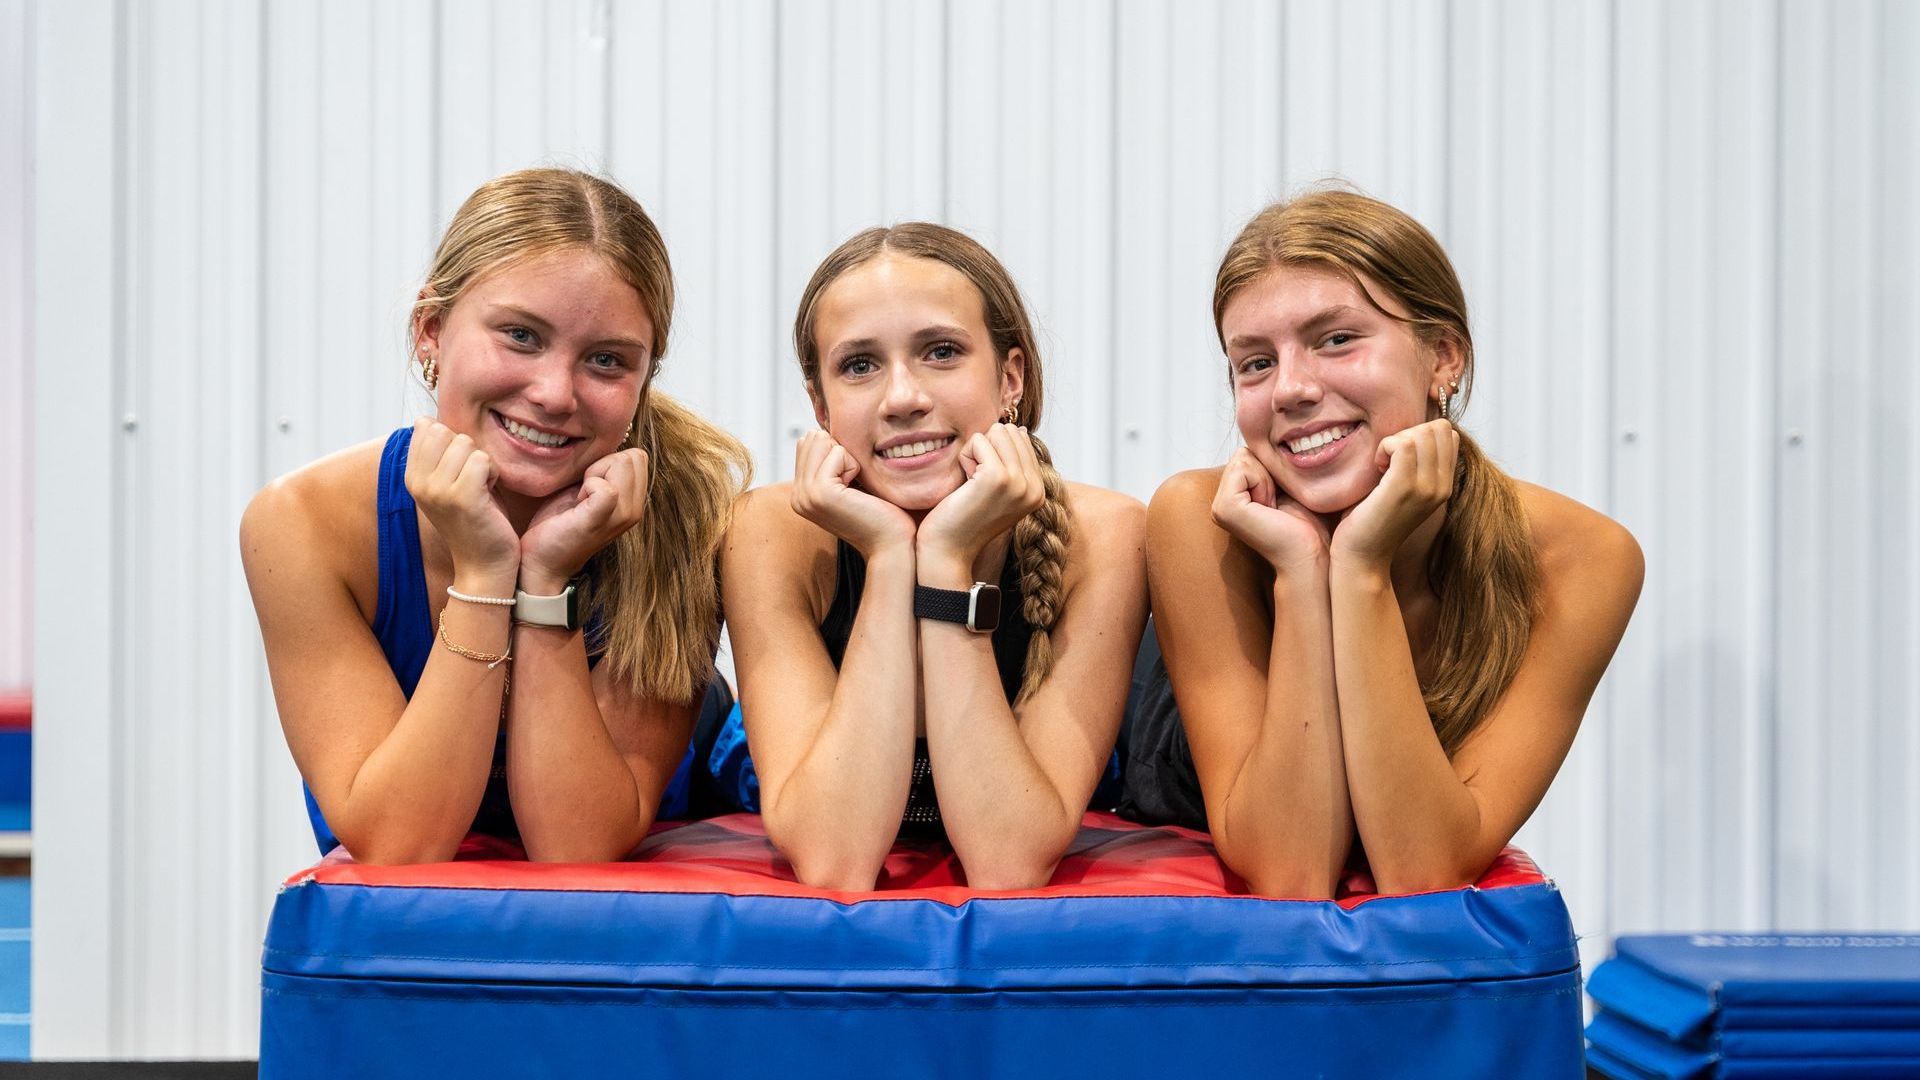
{"type": "Point", "coordinates": [1013, 787]}
{"type": "Point", "coordinates": [1256, 692]}
{"type": "Point", "coordinates": [1426, 822]}
{"type": "Point", "coordinates": [398, 780]}
{"type": "Point", "coordinates": [833, 749]}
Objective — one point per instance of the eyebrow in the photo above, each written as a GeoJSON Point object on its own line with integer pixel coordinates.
{"type": "Point", "coordinates": [925, 334]}
{"type": "Point", "coordinates": [538, 323]}
{"type": "Point", "coordinates": [1307, 327]}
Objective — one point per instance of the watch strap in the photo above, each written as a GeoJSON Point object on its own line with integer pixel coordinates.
{"type": "Point", "coordinates": [561, 610]}
{"type": "Point", "coordinates": [946, 605]}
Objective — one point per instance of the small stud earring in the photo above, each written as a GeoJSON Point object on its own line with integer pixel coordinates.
{"type": "Point", "coordinates": [429, 370]}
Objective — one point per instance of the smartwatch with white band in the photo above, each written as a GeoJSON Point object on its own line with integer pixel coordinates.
{"type": "Point", "coordinates": [976, 608]}
{"type": "Point", "coordinates": [562, 610]}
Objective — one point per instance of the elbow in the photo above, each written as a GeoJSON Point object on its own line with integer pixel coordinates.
{"type": "Point", "coordinates": [1405, 880]}
{"type": "Point", "coordinates": [835, 871]}
{"type": "Point", "coordinates": [1281, 875]}
{"type": "Point", "coordinates": [1004, 875]}
{"type": "Point", "coordinates": [823, 861]}
{"type": "Point", "coordinates": [398, 850]}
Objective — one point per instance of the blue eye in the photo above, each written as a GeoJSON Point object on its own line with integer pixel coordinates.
{"type": "Point", "coordinates": [946, 350]}
{"type": "Point", "coordinates": [1335, 340]}
{"type": "Point", "coordinates": [1254, 364]}
{"type": "Point", "coordinates": [856, 366]}
{"type": "Point", "coordinates": [606, 360]}
{"type": "Point", "coordinates": [521, 336]}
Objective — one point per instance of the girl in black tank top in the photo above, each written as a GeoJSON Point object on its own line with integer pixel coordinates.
{"type": "Point", "coordinates": [861, 598]}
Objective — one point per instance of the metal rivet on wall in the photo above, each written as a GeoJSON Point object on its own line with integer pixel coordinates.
{"type": "Point", "coordinates": [1133, 433]}
{"type": "Point", "coordinates": [129, 422]}
{"type": "Point", "coordinates": [1629, 435]}
{"type": "Point", "coordinates": [284, 424]}
{"type": "Point", "coordinates": [1793, 437]}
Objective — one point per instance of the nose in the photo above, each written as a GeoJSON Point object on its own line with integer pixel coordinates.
{"type": "Point", "coordinates": [906, 394]}
{"type": "Point", "coordinates": [550, 385]}
{"type": "Point", "coordinates": [1296, 380]}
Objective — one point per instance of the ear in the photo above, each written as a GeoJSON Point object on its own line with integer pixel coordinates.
{"type": "Point", "coordinates": [1449, 362]}
{"type": "Point", "coordinates": [1013, 377]}
{"type": "Point", "coordinates": [819, 405]}
{"type": "Point", "coordinates": [426, 327]}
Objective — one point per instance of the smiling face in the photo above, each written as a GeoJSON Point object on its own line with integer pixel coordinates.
{"type": "Point", "coordinates": [1320, 377]}
{"type": "Point", "coordinates": [542, 363]}
{"type": "Point", "coordinates": [907, 370]}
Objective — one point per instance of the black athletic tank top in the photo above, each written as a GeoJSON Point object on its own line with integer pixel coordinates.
{"type": "Point", "coordinates": [922, 817]}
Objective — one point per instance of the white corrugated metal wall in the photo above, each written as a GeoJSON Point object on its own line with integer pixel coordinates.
{"type": "Point", "coordinates": [1687, 232]}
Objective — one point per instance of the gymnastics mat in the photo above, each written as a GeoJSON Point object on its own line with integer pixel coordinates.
{"type": "Point", "coordinates": [702, 957]}
{"type": "Point", "coordinates": [1684, 1006]}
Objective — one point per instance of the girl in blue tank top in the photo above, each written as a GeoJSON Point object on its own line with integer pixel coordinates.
{"type": "Point", "coordinates": [503, 619]}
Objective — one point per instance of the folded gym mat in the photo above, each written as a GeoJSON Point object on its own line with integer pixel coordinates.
{"type": "Point", "coordinates": [1746, 1005]}
{"type": "Point", "coordinates": [1143, 957]}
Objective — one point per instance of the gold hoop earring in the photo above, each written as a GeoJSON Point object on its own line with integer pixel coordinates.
{"type": "Point", "coordinates": [1010, 415]}
{"type": "Point", "coordinates": [429, 370]}
{"type": "Point", "coordinates": [1442, 396]}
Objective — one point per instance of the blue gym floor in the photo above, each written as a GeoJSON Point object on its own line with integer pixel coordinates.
{"type": "Point", "coordinates": [16, 948]}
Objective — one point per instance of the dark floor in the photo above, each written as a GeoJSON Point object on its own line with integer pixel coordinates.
{"type": "Point", "coordinates": [129, 1069]}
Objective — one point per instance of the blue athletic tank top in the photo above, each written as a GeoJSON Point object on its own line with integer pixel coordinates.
{"type": "Point", "coordinates": [403, 623]}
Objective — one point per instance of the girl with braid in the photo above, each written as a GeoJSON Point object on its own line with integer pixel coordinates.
{"type": "Point", "coordinates": [1381, 645]}
{"type": "Point", "coordinates": [934, 632]}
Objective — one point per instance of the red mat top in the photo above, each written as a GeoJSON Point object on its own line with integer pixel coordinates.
{"type": "Point", "coordinates": [1110, 857]}
{"type": "Point", "coordinates": [16, 711]}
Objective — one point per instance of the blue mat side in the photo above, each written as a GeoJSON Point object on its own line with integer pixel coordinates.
{"type": "Point", "coordinates": [1630, 989]}
{"type": "Point", "coordinates": [1822, 1068]}
{"type": "Point", "coordinates": [1846, 1017]}
{"type": "Point", "coordinates": [1646, 1050]}
{"type": "Point", "coordinates": [704, 939]}
{"type": "Point", "coordinates": [1786, 969]}
{"type": "Point", "coordinates": [1821, 1042]}
{"type": "Point", "coordinates": [328, 1028]}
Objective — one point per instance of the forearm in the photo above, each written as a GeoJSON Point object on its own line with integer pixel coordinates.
{"type": "Point", "coordinates": [836, 813]}
{"type": "Point", "coordinates": [575, 798]}
{"type": "Point", "coordinates": [414, 796]}
{"type": "Point", "coordinates": [1419, 824]}
{"type": "Point", "coordinates": [1004, 817]}
{"type": "Point", "coordinates": [1287, 824]}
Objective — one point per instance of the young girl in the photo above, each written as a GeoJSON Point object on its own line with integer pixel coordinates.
{"type": "Point", "coordinates": [933, 632]}
{"type": "Point", "coordinates": [1376, 638]}
{"type": "Point", "coordinates": [555, 521]}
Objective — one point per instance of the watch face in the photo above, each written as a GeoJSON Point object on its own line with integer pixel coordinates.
{"type": "Point", "coordinates": [986, 608]}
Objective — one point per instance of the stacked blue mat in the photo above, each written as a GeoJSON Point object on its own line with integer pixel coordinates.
{"type": "Point", "coordinates": [1679, 1006]}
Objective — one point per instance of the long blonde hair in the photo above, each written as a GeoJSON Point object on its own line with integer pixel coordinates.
{"type": "Point", "coordinates": [1482, 566]}
{"type": "Point", "coordinates": [652, 593]}
{"type": "Point", "coordinates": [1040, 539]}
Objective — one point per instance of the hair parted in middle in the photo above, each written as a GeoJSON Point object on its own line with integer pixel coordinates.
{"type": "Point", "coordinates": [652, 593]}
{"type": "Point", "coordinates": [1040, 539]}
{"type": "Point", "coordinates": [1482, 566]}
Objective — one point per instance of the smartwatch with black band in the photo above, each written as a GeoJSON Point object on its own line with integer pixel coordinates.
{"type": "Point", "coordinates": [976, 608]}
{"type": "Point", "coordinates": [562, 610]}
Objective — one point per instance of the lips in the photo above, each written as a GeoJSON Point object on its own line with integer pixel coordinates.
{"type": "Point", "coordinates": [1319, 446]}
{"type": "Point", "coordinates": [532, 437]}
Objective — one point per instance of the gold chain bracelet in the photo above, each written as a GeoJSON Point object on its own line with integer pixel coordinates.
{"type": "Point", "coordinates": [492, 660]}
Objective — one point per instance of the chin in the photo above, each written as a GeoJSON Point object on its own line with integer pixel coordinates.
{"type": "Point", "coordinates": [916, 498]}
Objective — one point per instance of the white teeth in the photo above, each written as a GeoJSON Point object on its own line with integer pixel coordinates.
{"type": "Point", "coordinates": [1320, 438]}
{"type": "Point", "coordinates": [914, 449]}
{"type": "Point", "coordinates": [538, 437]}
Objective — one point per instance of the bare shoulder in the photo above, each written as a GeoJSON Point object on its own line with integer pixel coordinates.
{"type": "Point", "coordinates": [764, 518]}
{"type": "Point", "coordinates": [1576, 543]}
{"type": "Point", "coordinates": [1105, 516]}
{"type": "Point", "coordinates": [329, 503]}
{"type": "Point", "coordinates": [314, 524]}
{"type": "Point", "coordinates": [768, 545]}
{"type": "Point", "coordinates": [1182, 509]}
